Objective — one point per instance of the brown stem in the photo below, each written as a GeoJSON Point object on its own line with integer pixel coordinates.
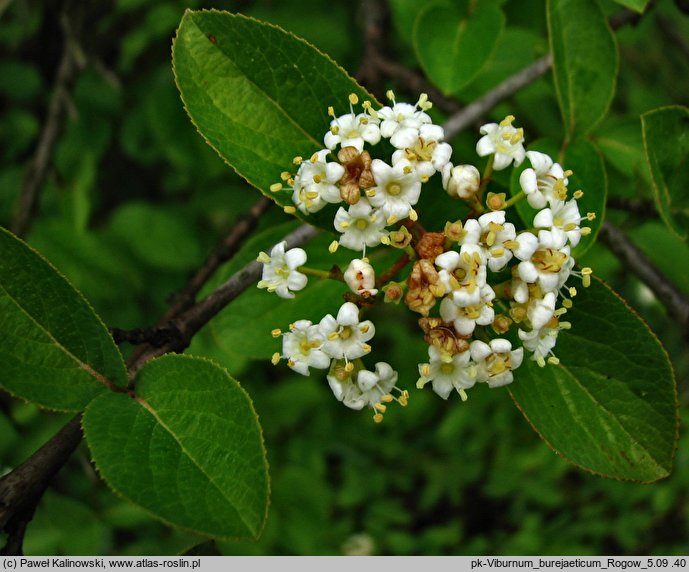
{"type": "Point", "coordinates": [21, 489]}
{"type": "Point", "coordinates": [676, 302]}
{"type": "Point", "coordinates": [28, 197]}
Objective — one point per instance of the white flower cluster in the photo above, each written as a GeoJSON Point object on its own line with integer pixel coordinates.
{"type": "Point", "coordinates": [337, 343]}
{"type": "Point", "coordinates": [471, 282]}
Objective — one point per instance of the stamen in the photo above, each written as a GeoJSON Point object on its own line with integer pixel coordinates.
{"type": "Point", "coordinates": [333, 246]}
{"type": "Point", "coordinates": [276, 333]}
{"type": "Point", "coordinates": [275, 359]}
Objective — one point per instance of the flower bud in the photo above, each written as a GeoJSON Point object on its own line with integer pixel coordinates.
{"type": "Point", "coordinates": [361, 277]}
{"type": "Point", "coordinates": [461, 181]}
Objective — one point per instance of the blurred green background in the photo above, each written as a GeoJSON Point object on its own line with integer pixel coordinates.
{"type": "Point", "coordinates": [134, 200]}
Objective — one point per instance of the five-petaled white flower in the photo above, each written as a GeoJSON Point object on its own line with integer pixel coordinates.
{"type": "Point", "coordinates": [301, 347]}
{"type": "Point", "coordinates": [360, 225]}
{"type": "Point", "coordinates": [544, 181]}
{"type": "Point", "coordinates": [280, 274]}
{"type": "Point", "coordinates": [351, 129]}
{"type": "Point", "coordinates": [546, 261]}
{"type": "Point", "coordinates": [401, 122]}
{"type": "Point", "coordinates": [315, 183]}
{"type": "Point", "coordinates": [345, 336]}
{"type": "Point", "coordinates": [397, 189]}
{"type": "Point", "coordinates": [447, 372]}
{"type": "Point", "coordinates": [365, 388]}
{"type": "Point", "coordinates": [503, 140]}
{"type": "Point", "coordinates": [561, 217]}
{"type": "Point", "coordinates": [495, 361]}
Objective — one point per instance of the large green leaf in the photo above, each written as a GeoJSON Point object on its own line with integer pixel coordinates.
{"type": "Point", "coordinates": [188, 447]}
{"type": "Point", "coordinates": [585, 62]}
{"type": "Point", "coordinates": [55, 350]}
{"type": "Point", "coordinates": [452, 46]}
{"type": "Point", "coordinates": [611, 405]}
{"type": "Point", "coordinates": [666, 142]}
{"type": "Point", "coordinates": [257, 94]}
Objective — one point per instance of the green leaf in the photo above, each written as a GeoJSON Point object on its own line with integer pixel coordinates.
{"type": "Point", "coordinates": [452, 45]}
{"type": "Point", "coordinates": [622, 146]}
{"type": "Point", "coordinates": [585, 62]}
{"type": "Point", "coordinates": [55, 350]}
{"type": "Point", "coordinates": [611, 405]}
{"type": "Point", "coordinates": [636, 5]}
{"type": "Point", "coordinates": [666, 142]}
{"type": "Point", "coordinates": [258, 95]}
{"type": "Point", "coordinates": [187, 448]}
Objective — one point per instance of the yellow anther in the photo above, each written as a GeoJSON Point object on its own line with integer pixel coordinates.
{"type": "Point", "coordinates": [311, 195]}
{"type": "Point", "coordinates": [285, 176]}
{"type": "Point", "coordinates": [413, 215]}
{"type": "Point", "coordinates": [371, 193]}
{"type": "Point", "coordinates": [333, 336]}
{"type": "Point", "coordinates": [364, 329]}
{"type": "Point", "coordinates": [392, 219]}
{"type": "Point", "coordinates": [407, 170]}
{"type": "Point", "coordinates": [586, 271]}
{"type": "Point", "coordinates": [297, 160]}
{"type": "Point", "coordinates": [578, 194]}
{"type": "Point", "coordinates": [540, 361]}
{"type": "Point", "coordinates": [463, 394]}
{"type": "Point", "coordinates": [275, 359]}
{"type": "Point", "coordinates": [263, 258]}
{"type": "Point", "coordinates": [390, 95]}
{"type": "Point", "coordinates": [591, 216]}
{"type": "Point", "coordinates": [333, 246]}
{"type": "Point", "coordinates": [553, 360]}
{"type": "Point", "coordinates": [421, 382]}
{"type": "Point", "coordinates": [567, 303]}
{"type": "Point", "coordinates": [497, 252]}
{"type": "Point", "coordinates": [511, 244]}
{"type": "Point", "coordinates": [426, 370]}
{"type": "Point", "coordinates": [559, 312]}
{"type": "Point", "coordinates": [331, 111]}
{"type": "Point", "coordinates": [378, 417]}
{"type": "Point", "coordinates": [290, 362]}
{"type": "Point", "coordinates": [565, 325]}
{"type": "Point", "coordinates": [314, 158]}
{"type": "Point", "coordinates": [334, 129]}
{"type": "Point", "coordinates": [317, 179]}
{"type": "Point", "coordinates": [276, 333]}
{"type": "Point", "coordinates": [349, 367]}
{"type": "Point", "coordinates": [572, 291]}
{"type": "Point", "coordinates": [585, 231]}
{"type": "Point", "coordinates": [367, 348]}
{"type": "Point", "coordinates": [568, 173]}
{"type": "Point", "coordinates": [380, 407]}
{"type": "Point", "coordinates": [289, 209]}
{"type": "Point", "coordinates": [353, 99]}
{"type": "Point", "coordinates": [507, 121]}
{"type": "Point", "coordinates": [517, 136]}
{"type": "Point", "coordinates": [387, 398]}
{"type": "Point", "coordinates": [569, 226]}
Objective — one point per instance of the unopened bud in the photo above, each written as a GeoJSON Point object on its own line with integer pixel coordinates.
{"type": "Point", "coordinates": [361, 277]}
{"type": "Point", "coordinates": [461, 181]}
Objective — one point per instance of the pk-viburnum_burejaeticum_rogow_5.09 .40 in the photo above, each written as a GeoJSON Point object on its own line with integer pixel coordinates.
{"type": "Point", "coordinates": [471, 282]}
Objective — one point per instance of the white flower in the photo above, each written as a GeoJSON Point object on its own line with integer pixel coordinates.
{"type": "Point", "coordinates": [461, 181]}
{"type": "Point", "coordinates": [360, 225]}
{"type": "Point", "coordinates": [544, 181]}
{"type": "Point", "coordinates": [447, 372]}
{"type": "Point", "coordinates": [361, 277]}
{"type": "Point", "coordinates": [427, 154]}
{"type": "Point", "coordinates": [561, 217]}
{"type": "Point", "coordinates": [301, 347]}
{"type": "Point", "coordinates": [541, 342]}
{"type": "Point", "coordinates": [397, 189]}
{"type": "Point", "coordinates": [401, 122]}
{"type": "Point", "coordinates": [493, 235]}
{"type": "Point", "coordinates": [541, 310]}
{"type": "Point", "coordinates": [495, 361]}
{"type": "Point", "coordinates": [315, 183]}
{"type": "Point", "coordinates": [503, 140]}
{"type": "Point", "coordinates": [346, 337]}
{"type": "Point", "coordinates": [280, 274]}
{"type": "Point", "coordinates": [549, 264]}
{"type": "Point", "coordinates": [463, 275]}
{"type": "Point", "coordinates": [370, 388]}
{"type": "Point", "coordinates": [465, 318]}
{"type": "Point", "coordinates": [352, 130]}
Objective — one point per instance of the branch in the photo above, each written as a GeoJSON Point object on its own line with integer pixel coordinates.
{"type": "Point", "coordinates": [676, 303]}
{"type": "Point", "coordinates": [472, 113]}
{"type": "Point", "coordinates": [28, 197]}
{"type": "Point", "coordinates": [21, 489]}
{"type": "Point", "coordinates": [192, 320]}
{"type": "Point", "coordinates": [637, 207]}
